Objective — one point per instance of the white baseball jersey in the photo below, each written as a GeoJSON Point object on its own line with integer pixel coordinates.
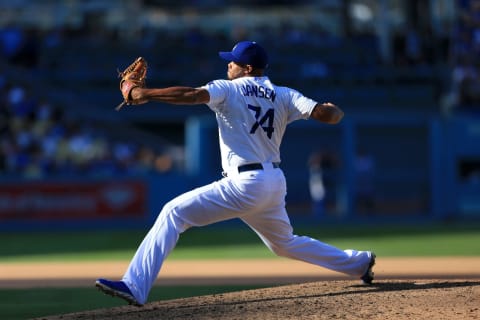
{"type": "Point", "coordinates": [252, 115]}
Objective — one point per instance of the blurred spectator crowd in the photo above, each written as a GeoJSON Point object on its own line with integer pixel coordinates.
{"type": "Point", "coordinates": [38, 140]}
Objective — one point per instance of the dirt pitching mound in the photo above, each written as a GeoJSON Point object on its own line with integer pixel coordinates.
{"type": "Point", "coordinates": [385, 299]}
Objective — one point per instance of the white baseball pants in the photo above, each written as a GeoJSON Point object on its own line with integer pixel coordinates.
{"type": "Point", "coordinates": [256, 197]}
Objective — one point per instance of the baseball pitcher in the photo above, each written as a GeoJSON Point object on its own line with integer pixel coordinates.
{"type": "Point", "coordinates": [252, 114]}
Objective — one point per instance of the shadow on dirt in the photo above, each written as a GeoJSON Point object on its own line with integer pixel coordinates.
{"type": "Point", "coordinates": [376, 287]}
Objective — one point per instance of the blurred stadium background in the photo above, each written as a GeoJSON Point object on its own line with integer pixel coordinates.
{"type": "Point", "coordinates": [405, 72]}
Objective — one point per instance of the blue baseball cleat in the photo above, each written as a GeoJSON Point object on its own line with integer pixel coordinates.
{"type": "Point", "coordinates": [367, 277]}
{"type": "Point", "coordinates": [117, 289]}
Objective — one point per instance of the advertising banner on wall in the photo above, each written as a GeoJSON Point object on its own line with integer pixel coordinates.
{"type": "Point", "coordinates": [73, 200]}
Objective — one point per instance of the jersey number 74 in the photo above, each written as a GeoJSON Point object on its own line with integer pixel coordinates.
{"type": "Point", "coordinates": [267, 118]}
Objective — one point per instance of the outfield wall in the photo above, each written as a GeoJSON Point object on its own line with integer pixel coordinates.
{"type": "Point", "coordinates": [424, 167]}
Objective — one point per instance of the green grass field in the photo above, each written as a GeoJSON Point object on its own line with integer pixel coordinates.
{"type": "Point", "coordinates": [218, 243]}
{"type": "Point", "coordinates": [203, 243]}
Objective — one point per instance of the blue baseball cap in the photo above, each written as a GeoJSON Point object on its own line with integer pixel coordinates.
{"type": "Point", "coordinates": [247, 52]}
